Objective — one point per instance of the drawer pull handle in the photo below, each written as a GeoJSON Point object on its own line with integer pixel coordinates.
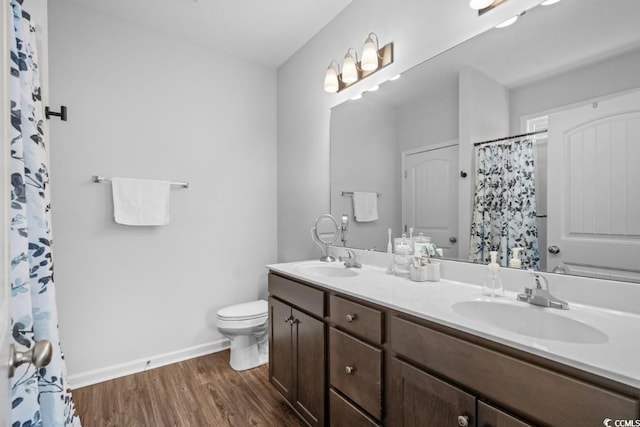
{"type": "Point", "coordinates": [463, 420]}
{"type": "Point", "coordinates": [349, 370]}
{"type": "Point", "coordinates": [351, 317]}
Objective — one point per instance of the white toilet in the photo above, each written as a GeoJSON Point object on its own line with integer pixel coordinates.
{"type": "Point", "coordinates": [247, 326]}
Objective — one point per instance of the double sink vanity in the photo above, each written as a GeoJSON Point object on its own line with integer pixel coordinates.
{"type": "Point", "coordinates": [360, 347]}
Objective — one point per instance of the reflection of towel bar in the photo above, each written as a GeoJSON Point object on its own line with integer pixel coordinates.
{"type": "Point", "coordinates": [98, 178]}
{"type": "Point", "coordinates": [350, 193]}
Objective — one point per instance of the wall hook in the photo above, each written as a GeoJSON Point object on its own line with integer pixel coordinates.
{"type": "Point", "coordinates": [463, 174]}
{"type": "Point", "coordinates": [62, 114]}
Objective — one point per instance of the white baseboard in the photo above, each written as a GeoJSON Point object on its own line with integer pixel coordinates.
{"type": "Point", "coordinates": [110, 372]}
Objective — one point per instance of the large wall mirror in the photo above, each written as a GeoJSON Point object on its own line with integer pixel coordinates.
{"type": "Point", "coordinates": [568, 194]}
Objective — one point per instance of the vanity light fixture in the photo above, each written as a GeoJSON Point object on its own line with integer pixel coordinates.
{"type": "Point", "coordinates": [479, 4]}
{"type": "Point", "coordinates": [373, 59]}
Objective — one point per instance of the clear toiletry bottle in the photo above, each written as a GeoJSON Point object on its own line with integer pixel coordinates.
{"type": "Point", "coordinates": [421, 245]}
{"type": "Point", "coordinates": [493, 283]}
{"type": "Point", "coordinates": [402, 255]}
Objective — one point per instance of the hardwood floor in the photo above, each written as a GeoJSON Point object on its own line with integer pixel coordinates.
{"type": "Point", "coordinates": [198, 392]}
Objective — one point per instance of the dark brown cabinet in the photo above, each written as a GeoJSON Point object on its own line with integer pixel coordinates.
{"type": "Point", "coordinates": [369, 365]}
{"type": "Point", "coordinates": [297, 355]}
{"type": "Point", "coordinates": [419, 399]}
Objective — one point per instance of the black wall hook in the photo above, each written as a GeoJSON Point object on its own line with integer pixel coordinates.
{"type": "Point", "coordinates": [463, 174]}
{"type": "Point", "coordinates": [62, 114]}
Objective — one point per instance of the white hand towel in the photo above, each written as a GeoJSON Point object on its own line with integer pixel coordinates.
{"type": "Point", "coordinates": [365, 206]}
{"type": "Point", "coordinates": [140, 201]}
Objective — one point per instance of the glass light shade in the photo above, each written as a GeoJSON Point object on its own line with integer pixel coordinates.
{"type": "Point", "coordinates": [369, 55]}
{"type": "Point", "coordinates": [349, 69]}
{"type": "Point", "coordinates": [331, 80]}
{"type": "Point", "coordinates": [479, 4]}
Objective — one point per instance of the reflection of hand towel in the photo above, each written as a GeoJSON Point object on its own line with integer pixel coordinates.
{"type": "Point", "coordinates": [140, 201]}
{"type": "Point", "coordinates": [365, 206]}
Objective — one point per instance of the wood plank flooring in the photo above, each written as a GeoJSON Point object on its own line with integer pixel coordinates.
{"type": "Point", "coordinates": [198, 392]}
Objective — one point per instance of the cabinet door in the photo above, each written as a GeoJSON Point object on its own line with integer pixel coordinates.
{"type": "Point", "coordinates": [416, 398]}
{"type": "Point", "coordinates": [309, 378]}
{"type": "Point", "coordinates": [280, 348]}
{"type": "Point", "coordinates": [488, 416]}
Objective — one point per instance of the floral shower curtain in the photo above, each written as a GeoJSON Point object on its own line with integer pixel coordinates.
{"type": "Point", "coordinates": [504, 213]}
{"type": "Point", "coordinates": [39, 397]}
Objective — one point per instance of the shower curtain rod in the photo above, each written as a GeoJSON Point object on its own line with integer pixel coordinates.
{"type": "Point", "coordinates": [509, 137]}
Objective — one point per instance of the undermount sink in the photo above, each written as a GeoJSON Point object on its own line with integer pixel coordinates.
{"type": "Point", "coordinates": [530, 321]}
{"type": "Point", "coordinates": [326, 270]}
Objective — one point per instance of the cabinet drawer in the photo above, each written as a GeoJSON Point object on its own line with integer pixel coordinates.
{"type": "Point", "coordinates": [531, 391]}
{"type": "Point", "coordinates": [299, 295]}
{"type": "Point", "coordinates": [355, 368]}
{"type": "Point", "coordinates": [488, 416]}
{"type": "Point", "coordinates": [356, 318]}
{"type": "Point", "coordinates": [344, 414]}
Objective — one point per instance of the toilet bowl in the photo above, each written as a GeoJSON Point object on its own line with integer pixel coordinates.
{"type": "Point", "coordinates": [247, 326]}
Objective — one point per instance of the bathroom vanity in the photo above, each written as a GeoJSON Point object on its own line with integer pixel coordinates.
{"type": "Point", "coordinates": [363, 348]}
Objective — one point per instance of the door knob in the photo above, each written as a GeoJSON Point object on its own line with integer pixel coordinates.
{"type": "Point", "coordinates": [453, 239]}
{"type": "Point", "coordinates": [553, 249]}
{"type": "Point", "coordinates": [39, 355]}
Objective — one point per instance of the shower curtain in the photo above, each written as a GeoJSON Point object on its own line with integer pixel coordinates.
{"type": "Point", "coordinates": [39, 397]}
{"type": "Point", "coordinates": [504, 212]}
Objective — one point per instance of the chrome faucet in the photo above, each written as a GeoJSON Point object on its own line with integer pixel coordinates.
{"type": "Point", "coordinates": [351, 261]}
{"type": "Point", "coordinates": [540, 294]}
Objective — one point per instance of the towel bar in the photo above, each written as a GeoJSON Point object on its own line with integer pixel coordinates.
{"type": "Point", "coordinates": [350, 193]}
{"type": "Point", "coordinates": [98, 178]}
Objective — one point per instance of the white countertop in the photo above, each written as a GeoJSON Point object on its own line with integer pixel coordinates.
{"type": "Point", "coordinates": [617, 359]}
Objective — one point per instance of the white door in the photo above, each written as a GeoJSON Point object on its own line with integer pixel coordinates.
{"type": "Point", "coordinates": [430, 195]}
{"type": "Point", "coordinates": [4, 197]}
{"type": "Point", "coordinates": [594, 188]}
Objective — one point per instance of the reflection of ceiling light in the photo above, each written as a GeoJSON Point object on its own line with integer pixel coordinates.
{"type": "Point", "coordinates": [479, 4]}
{"type": "Point", "coordinates": [508, 22]}
{"type": "Point", "coordinates": [549, 2]}
{"type": "Point", "coordinates": [373, 89]}
{"type": "Point", "coordinates": [396, 77]}
{"type": "Point", "coordinates": [358, 96]}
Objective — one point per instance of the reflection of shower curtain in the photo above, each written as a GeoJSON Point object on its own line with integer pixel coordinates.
{"type": "Point", "coordinates": [39, 397]}
{"type": "Point", "coordinates": [504, 213]}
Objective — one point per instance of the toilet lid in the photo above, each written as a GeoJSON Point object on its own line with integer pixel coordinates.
{"type": "Point", "coordinates": [246, 311]}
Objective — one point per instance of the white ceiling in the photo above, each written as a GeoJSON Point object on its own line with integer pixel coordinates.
{"type": "Point", "coordinates": [263, 31]}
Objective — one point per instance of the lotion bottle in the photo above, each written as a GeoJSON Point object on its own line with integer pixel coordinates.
{"type": "Point", "coordinates": [493, 283]}
{"type": "Point", "coordinates": [515, 262]}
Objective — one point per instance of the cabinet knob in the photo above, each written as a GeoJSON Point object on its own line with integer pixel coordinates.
{"type": "Point", "coordinates": [349, 370]}
{"type": "Point", "coordinates": [351, 317]}
{"type": "Point", "coordinates": [289, 320]}
{"type": "Point", "coordinates": [463, 420]}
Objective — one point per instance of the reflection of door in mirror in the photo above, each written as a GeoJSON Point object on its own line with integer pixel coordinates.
{"type": "Point", "coordinates": [430, 194]}
{"type": "Point", "coordinates": [594, 199]}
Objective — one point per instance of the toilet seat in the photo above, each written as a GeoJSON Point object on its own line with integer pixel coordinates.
{"type": "Point", "coordinates": [254, 310]}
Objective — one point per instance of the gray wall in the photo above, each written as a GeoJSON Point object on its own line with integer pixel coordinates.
{"type": "Point", "coordinates": [147, 106]}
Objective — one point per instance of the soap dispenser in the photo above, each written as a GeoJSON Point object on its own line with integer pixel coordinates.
{"type": "Point", "coordinates": [493, 283]}
{"type": "Point", "coordinates": [515, 261]}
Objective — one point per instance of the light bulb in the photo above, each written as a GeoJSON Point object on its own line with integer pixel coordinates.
{"type": "Point", "coordinates": [369, 55]}
{"type": "Point", "coordinates": [349, 70]}
{"type": "Point", "coordinates": [331, 84]}
{"type": "Point", "coordinates": [479, 4]}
